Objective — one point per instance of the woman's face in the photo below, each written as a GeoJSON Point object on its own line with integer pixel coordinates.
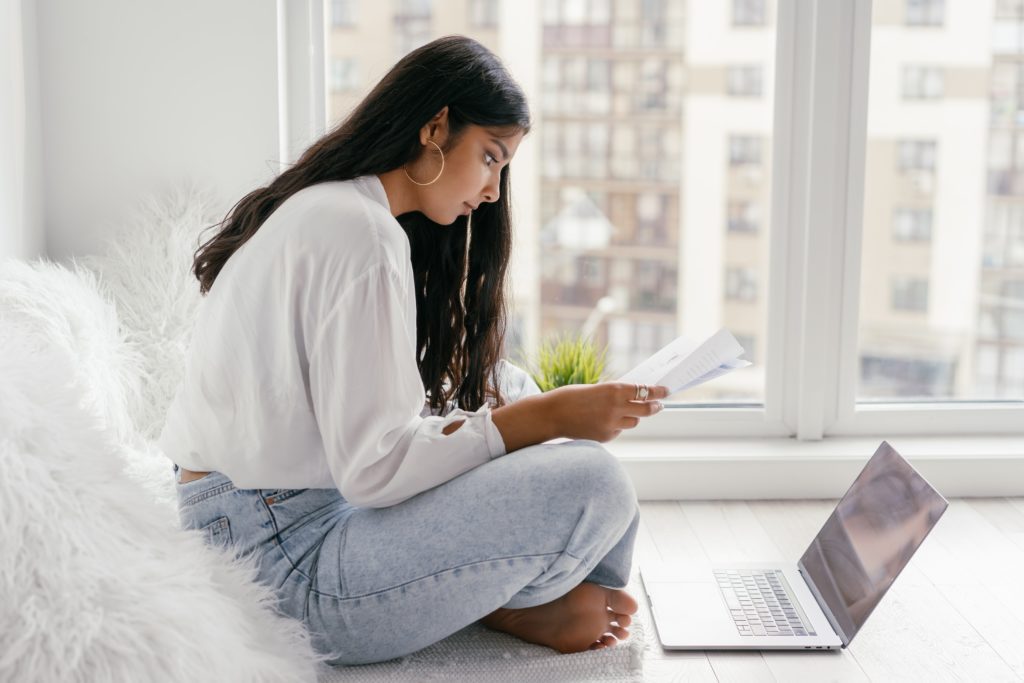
{"type": "Point", "coordinates": [472, 172]}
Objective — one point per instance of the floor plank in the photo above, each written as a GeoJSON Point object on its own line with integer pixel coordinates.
{"type": "Point", "coordinates": [953, 614]}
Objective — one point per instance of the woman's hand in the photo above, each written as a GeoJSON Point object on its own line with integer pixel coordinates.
{"type": "Point", "coordinates": [601, 411]}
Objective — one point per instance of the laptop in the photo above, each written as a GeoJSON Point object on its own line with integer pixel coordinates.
{"type": "Point", "coordinates": [822, 601]}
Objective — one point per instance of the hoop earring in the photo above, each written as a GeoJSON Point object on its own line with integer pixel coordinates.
{"type": "Point", "coordinates": [438, 173]}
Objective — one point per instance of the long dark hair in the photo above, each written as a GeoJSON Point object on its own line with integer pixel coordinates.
{"type": "Point", "coordinates": [459, 330]}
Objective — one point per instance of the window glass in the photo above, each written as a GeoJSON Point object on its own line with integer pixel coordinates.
{"type": "Point", "coordinates": [642, 205]}
{"type": "Point", "coordinates": [943, 233]}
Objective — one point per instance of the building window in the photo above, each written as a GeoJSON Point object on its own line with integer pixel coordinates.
{"type": "Point", "coordinates": [651, 88]}
{"type": "Point", "coordinates": [484, 13]}
{"type": "Point", "coordinates": [922, 82]}
{"type": "Point", "coordinates": [744, 81]}
{"type": "Point", "coordinates": [1009, 9]}
{"type": "Point", "coordinates": [343, 13]}
{"type": "Point", "coordinates": [912, 225]}
{"type": "Point", "coordinates": [653, 21]}
{"type": "Point", "coordinates": [650, 214]}
{"type": "Point", "coordinates": [740, 284]}
{"type": "Point", "coordinates": [576, 23]}
{"type": "Point", "coordinates": [904, 377]}
{"type": "Point", "coordinates": [653, 286]}
{"type": "Point", "coordinates": [925, 12]}
{"type": "Point", "coordinates": [742, 217]}
{"type": "Point", "coordinates": [412, 20]}
{"type": "Point", "coordinates": [909, 294]}
{"type": "Point", "coordinates": [1006, 96]}
{"type": "Point", "coordinates": [592, 272]}
{"type": "Point", "coordinates": [1003, 245]}
{"type": "Point", "coordinates": [744, 150]}
{"type": "Point", "coordinates": [1005, 162]}
{"type": "Point", "coordinates": [748, 13]}
{"type": "Point", "coordinates": [916, 155]}
{"type": "Point", "coordinates": [344, 74]}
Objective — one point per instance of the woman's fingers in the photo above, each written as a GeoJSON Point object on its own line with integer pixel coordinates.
{"type": "Point", "coordinates": [657, 392]}
{"type": "Point", "coordinates": [629, 392]}
{"type": "Point", "coordinates": [629, 422]}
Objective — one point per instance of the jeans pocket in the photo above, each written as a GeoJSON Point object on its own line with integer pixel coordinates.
{"type": "Point", "coordinates": [217, 532]}
{"type": "Point", "coordinates": [293, 509]}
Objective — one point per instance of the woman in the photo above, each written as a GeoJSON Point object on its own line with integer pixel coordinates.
{"type": "Point", "coordinates": [343, 412]}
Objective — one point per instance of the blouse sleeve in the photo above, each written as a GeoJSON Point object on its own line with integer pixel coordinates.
{"type": "Point", "coordinates": [368, 397]}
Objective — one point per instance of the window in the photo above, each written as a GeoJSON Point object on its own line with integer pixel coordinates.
{"type": "Point", "coordinates": [912, 225]}
{"type": "Point", "coordinates": [743, 81]}
{"type": "Point", "coordinates": [650, 179]}
{"type": "Point", "coordinates": [909, 294]}
{"type": "Point", "coordinates": [1006, 88]}
{"type": "Point", "coordinates": [922, 82]}
{"type": "Point", "coordinates": [748, 13]}
{"type": "Point", "coordinates": [484, 13]}
{"type": "Point", "coordinates": [905, 378]}
{"type": "Point", "coordinates": [925, 12]}
{"type": "Point", "coordinates": [742, 217]}
{"type": "Point", "coordinates": [344, 74]}
{"type": "Point", "coordinates": [740, 284]}
{"type": "Point", "coordinates": [916, 155]}
{"type": "Point", "coordinates": [1003, 244]}
{"type": "Point", "coordinates": [1006, 162]}
{"type": "Point", "coordinates": [1009, 9]}
{"type": "Point", "coordinates": [744, 150]}
{"type": "Point", "coordinates": [651, 217]}
{"type": "Point", "coordinates": [652, 22]}
{"type": "Point", "coordinates": [412, 22]}
{"type": "Point", "coordinates": [343, 13]}
{"type": "Point", "coordinates": [577, 23]}
{"type": "Point", "coordinates": [932, 311]}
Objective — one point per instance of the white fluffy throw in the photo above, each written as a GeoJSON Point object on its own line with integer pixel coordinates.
{"type": "Point", "coordinates": [97, 582]}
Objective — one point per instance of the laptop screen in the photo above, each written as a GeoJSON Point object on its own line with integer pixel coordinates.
{"type": "Point", "coordinates": [870, 537]}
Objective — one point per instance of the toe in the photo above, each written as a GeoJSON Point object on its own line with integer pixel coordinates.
{"type": "Point", "coordinates": [622, 602]}
{"type": "Point", "coordinates": [620, 632]}
{"type": "Point", "coordinates": [622, 619]}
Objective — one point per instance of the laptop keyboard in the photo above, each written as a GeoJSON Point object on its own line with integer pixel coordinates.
{"type": "Point", "coordinates": [761, 603]}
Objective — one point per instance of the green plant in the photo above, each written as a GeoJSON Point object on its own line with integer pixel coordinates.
{"type": "Point", "coordinates": [567, 359]}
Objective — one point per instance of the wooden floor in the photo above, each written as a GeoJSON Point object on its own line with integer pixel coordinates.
{"type": "Point", "coordinates": [956, 613]}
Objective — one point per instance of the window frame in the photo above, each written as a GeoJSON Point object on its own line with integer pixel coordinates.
{"type": "Point", "coordinates": [810, 351]}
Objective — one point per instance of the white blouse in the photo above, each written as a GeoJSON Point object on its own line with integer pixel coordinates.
{"type": "Point", "coordinates": [302, 371]}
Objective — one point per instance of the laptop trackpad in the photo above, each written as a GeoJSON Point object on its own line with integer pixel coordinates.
{"type": "Point", "coordinates": [691, 613]}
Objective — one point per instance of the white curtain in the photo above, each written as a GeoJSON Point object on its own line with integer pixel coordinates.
{"type": "Point", "coordinates": [21, 225]}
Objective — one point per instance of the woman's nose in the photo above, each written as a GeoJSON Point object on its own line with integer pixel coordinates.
{"type": "Point", "coordinates": [491, 193]}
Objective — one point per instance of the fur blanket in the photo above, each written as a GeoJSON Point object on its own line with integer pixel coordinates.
{"type": "Point", "coordinates": [97, 582]}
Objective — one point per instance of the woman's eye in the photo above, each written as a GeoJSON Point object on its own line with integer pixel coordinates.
{"type": "Point", "coordinates": [490, 159]}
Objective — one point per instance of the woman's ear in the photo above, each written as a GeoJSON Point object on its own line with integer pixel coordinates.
{"type": "Point", "coordinates": [436, 128]}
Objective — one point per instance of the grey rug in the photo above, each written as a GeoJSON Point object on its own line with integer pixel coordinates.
{"type": "Point", "coordinates": [481, 655]}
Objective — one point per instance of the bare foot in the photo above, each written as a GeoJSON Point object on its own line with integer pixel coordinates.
{"type": "Point", "coordinates": [589, 617]}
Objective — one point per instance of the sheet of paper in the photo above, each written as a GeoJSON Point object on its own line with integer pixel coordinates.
{"type": "Point", "coordinates": [683, 364]}
{"type": "Point", "coordinates": [722, 369]}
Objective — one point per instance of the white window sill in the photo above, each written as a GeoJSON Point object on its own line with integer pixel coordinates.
{"type": "Point", "coordinates": [766, 468]}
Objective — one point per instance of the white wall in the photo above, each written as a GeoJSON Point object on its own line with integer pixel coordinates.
{"type": "Point", "coordinates": [137, 95]}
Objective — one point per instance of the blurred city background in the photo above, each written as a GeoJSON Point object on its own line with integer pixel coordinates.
{"type": "Point", "coordinates": [642, 195]}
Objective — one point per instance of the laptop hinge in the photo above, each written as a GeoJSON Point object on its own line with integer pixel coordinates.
{"type": "Point", "coordinates": [805, 575]}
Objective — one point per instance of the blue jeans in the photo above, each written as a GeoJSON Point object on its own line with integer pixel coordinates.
{"type": "Point", "coordinates": [372, 584]}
